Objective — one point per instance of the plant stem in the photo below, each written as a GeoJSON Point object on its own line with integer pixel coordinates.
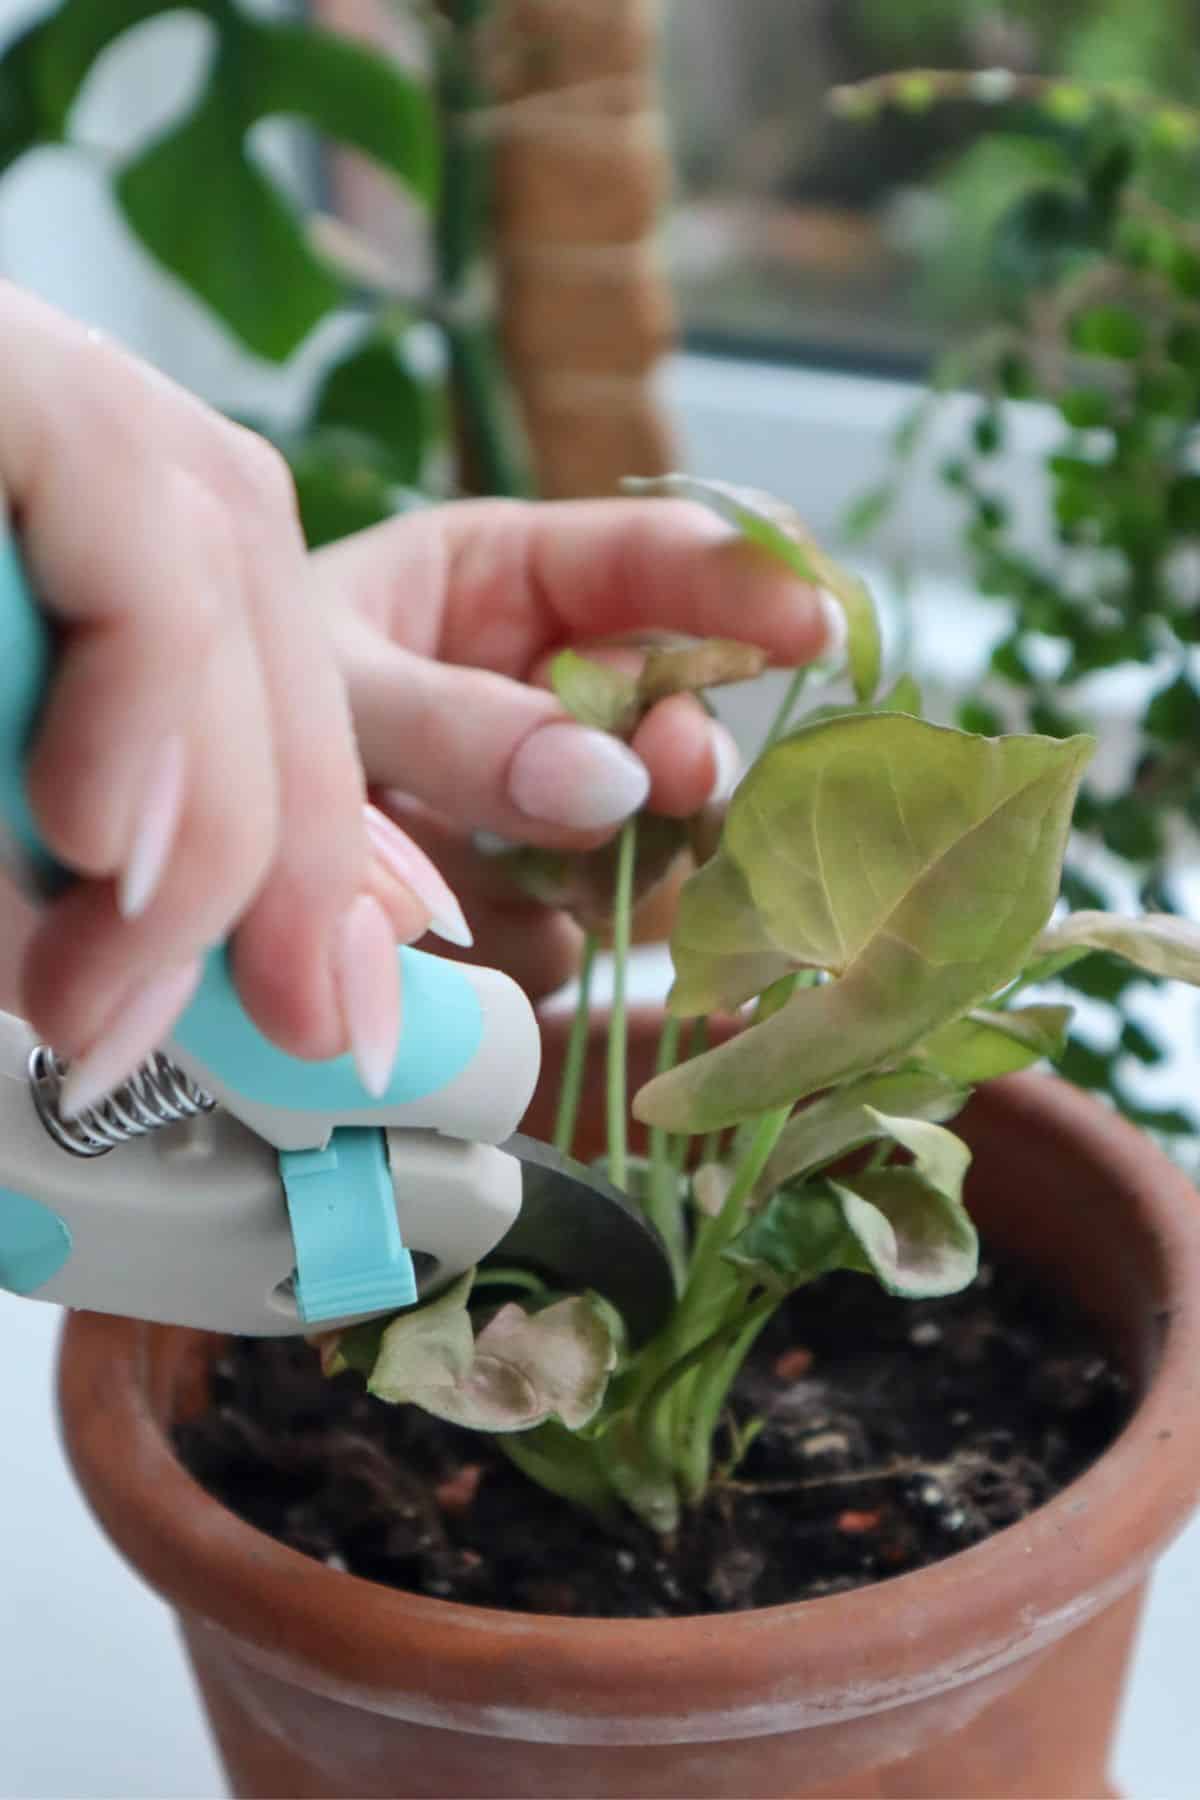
{"type": "Point", "coordinates": [662, 1195]}
{"type": "Point", "coordinates": [708, 1396]}
{"type": "Point", "coordinates": [616, 1077]}
{"type": "Point", "coordinates": [719, 1231]}
{"type": "Point", "coordinates": [707, 1292]}
{"type": "Point", "coordinates": [783, 713]}
{"type": "Point", "coordinates": [572, 1076]}
{"type": "Point", "coordinates": [725, 1333]}
{"type": "Point", "coordinates": [710, 1149]}
{"type": "Point", "coordinates": [563, 1463]}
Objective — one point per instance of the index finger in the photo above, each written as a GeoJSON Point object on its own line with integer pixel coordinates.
{"type": "Point", "coordinates": [495, 584]}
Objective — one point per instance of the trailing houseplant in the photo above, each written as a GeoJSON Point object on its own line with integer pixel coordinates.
{"type": "Point", "coordinates": [1087, 263]}
{"type": "Point", "coordinates": [882, 893]}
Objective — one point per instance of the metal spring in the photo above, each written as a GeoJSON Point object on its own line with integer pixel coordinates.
{"type": "Point", "coordinates": [157, 1094]}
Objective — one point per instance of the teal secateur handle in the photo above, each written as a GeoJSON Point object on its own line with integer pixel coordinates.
{"type": "Point", "coordinates": [466, 1063]}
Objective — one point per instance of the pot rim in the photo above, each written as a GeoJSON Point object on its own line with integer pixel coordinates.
{"type": "Point", "coordinates": [564, 1679]}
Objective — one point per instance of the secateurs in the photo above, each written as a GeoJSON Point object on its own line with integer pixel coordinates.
{"type": "Point", "coordinates": [230, 1186]}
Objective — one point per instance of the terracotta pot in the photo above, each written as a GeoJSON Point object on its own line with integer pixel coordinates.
{"type": "Point", "coordinates": [994, 1673]}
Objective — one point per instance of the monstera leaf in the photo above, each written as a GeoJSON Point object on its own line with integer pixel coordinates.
{"type": "Point", "coordinates": [195, 196]}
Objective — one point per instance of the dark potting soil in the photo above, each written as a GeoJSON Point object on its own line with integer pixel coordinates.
{"type": "Point", "coordinates": [893, 1434]}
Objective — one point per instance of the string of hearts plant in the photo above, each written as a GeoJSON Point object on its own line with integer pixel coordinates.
{"type": "Point", "coordinates": [881, 893]}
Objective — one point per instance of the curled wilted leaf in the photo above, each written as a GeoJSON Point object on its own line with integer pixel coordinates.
{"type": "Point", "coordinates": [915, 864]}
{"type": "Point", "coordinates": [689, 668]}
{"type": "Point", "coordinates": [775, 528]}
{"type": "Point", "coordinates": [1158, 943]}
{"type": "Point", "coordinates": [594, 692]}
{"type": "Point", "coordinates": [426, 1349]}
{"type": "Point", "coordinates": [917, 1241]}
{"type": "Point", "coordinates": [523, 1367]}
{"type": "Point", "coordinates": [909, 1223]}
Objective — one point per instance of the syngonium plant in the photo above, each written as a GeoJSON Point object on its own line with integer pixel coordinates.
{"type": "Point", "coordinates": [881, 895]}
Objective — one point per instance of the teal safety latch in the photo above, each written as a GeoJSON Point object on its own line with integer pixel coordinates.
{"type": "Point", "coordinates": [350, 1257]}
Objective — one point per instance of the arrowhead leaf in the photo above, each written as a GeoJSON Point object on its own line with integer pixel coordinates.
{"type": "Point", "coordinates": [915, 863]}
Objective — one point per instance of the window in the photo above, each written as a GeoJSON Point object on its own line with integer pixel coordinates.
{"type": "Point", "coordinates": [799, 233]}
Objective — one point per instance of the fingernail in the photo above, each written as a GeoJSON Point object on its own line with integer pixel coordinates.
{"type": "Point", "coordinates": [411, 865]}
{"type": "Point", "coordinates": [367, 971]}
{"type": "Point", "coordinates": [141, 1025]}
{"type": "Point", "coordinates": [154, 831]}
{"type": "Point", "coordinates": [573, 776]}
{"type": "Point", "coordinates": [835, 626]}
{"type": "Point", "coordinates": [727, 761]}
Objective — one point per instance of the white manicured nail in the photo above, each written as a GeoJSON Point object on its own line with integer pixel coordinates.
{"type": "Point", "coordinates": [727, 760]}
{"type": "Point", "coordinates": [154, 831]}
{"type": "Point", "coordinates": [142, 1024]}
{"type": "Point", "coordinates": [410, 864]}
{"type": "Point", "coordinates": [367, 971]}
{"type": "Point", "coordinates": [581, 779]}
{"type": "Point", "coordinates": [836, 634]}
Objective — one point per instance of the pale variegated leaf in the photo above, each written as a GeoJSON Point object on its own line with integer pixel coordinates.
{"type": "Point", "coordinates": [1158, 943]}
{"type": "Point", "coordinates": [915, 863]}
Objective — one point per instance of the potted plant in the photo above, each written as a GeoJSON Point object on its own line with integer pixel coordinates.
{"type": "Point", "coordinates": [882, 895]}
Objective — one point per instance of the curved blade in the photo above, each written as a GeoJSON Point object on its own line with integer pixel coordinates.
{"type": "Point", "coordinates": [580, 1232]}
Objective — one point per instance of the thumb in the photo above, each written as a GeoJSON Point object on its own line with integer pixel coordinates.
{"type": "Point", "coordinates": [484, 751]}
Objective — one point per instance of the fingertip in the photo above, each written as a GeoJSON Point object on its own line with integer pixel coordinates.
{"type": "Point", "coordinates": [691, 757]}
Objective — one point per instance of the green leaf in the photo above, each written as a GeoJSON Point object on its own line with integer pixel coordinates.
{"type": "Point", "coordinates": [868, 512]}
{"type": "Point", "coordinates": [237, 243]}
{"type": "Point", "coordinates": [776, 529]}
{"type": "Point", "coordinates": [990, 1042]}
{"type": "Point", "coordinates": [1109, 331]}
{"type": "Point", "coordinates": [594, 693]}
{"type": "Point", "coordinates": [1158, 943]}
{"type": "Point", "coordinates": [798, 1235]}
{"type": "Point", "coordinates": [915, 863]}
{"type": "Point", "coordinates": [1174, 712]}
{"type": "Point", "coordinates": [345, 482]}
{"type": "Point", "coordinates": [1086, 408]}
{"type": "Point", "coordinates": [977, 717]}
{"type": "Point", "coordinates": [376, 392]}
{"type": "Point", "coordinates": [689, 668]}
{"type": "Point", "coordinates": [523, 1368]}
{"type": "Point", "coordinates": [831, 1127]}
{"type": "Point", "coordinates": [917, 1241]}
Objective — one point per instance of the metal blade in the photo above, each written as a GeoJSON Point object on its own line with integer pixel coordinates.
{"type": "Point", "coordinates": [578, 1231]}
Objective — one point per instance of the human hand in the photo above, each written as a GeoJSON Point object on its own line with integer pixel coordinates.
{"type": "Point", "coordinates": [195, 764]}
{"type": "Point", "coordinates": [445, 620]}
